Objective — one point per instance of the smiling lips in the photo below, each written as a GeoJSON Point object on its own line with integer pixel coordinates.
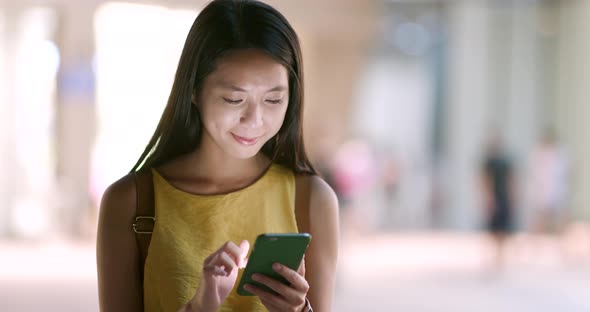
{"type": "Point", "coordinates": [245, 141]}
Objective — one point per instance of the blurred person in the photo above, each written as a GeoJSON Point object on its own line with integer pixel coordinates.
{"type": "Point", "coordinates": [548, 187]}
{"type": "Point", "coordinates": [227, 163]}
{"type": "Point", "coordinates": [354, 175]}
{"type": "Point", "coordinates": [390, 175]}
{"type": "Point", "coordinates": [497, 186]}
{"type": "Point", "coordinates": [549, 184]}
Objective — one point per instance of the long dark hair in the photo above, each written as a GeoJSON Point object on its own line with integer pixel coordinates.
{"type": "Point", "coordinates": [221, 27]}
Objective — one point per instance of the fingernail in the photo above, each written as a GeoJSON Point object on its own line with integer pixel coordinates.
{"type": "Point", "coordinates": [256, 277]}
{"type": "Point", "coordinates": [247, 287]}
{"type": "Point", "coordinates": [276, 266]}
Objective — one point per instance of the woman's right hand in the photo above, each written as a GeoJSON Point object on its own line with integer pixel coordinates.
{"type": "Point", "coordinates": [220, 271]}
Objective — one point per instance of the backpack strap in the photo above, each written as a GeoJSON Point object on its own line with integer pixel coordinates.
{"type": "Point", "coordinates": [144, 211]}
{"type": "Point", "coordinates": [302, 198]}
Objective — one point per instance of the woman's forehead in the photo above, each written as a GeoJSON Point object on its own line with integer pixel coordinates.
{"type": "Point", "coordinates": [242, 70]}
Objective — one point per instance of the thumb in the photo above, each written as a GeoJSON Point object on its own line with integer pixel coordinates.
{"type": "Point", "coordinates": [245, 247]}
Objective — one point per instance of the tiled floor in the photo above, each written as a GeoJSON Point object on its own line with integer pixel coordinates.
{"type": "Point", "coordinates": [386, 272]}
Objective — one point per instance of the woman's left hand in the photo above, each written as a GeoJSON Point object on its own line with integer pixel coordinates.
{"type": "Point", "coordinates": [289, 297]}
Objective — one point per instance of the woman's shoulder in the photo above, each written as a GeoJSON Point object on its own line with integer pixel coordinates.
{"type": "Point", "coordinates": [122, 187]}
{"type": "Point", "coordinates": [319, 193]}
{"type": "Point", "coordinates": [118, 201]}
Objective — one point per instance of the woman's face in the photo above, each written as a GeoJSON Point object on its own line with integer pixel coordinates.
{"type": "Point", "coordinates": [243, 103]}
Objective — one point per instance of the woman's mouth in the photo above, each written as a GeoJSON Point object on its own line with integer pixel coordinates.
{"type": "Point", "coordinates": [245, 141]}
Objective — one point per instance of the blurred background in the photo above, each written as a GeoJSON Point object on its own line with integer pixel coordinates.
{"type": "Point", "coordinates": [454, 133]}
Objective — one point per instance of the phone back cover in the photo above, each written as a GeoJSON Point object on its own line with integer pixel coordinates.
{"type": "Point", "coordinates": [287, 249]}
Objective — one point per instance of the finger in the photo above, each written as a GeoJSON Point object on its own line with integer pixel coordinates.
{"type": "Point", "coordinates": [215, 265]}
{"type": "Point", "coordinates": [210, 257]}
{"type": "Point", "coordinates": [221, 259]}
{"type": "Point", "coordinates": [239, 253]}
{"type": "Point", "coordinates": [301, 269]}
{"type": "Point", "coordinates": [214, 270]}
{"type": "Point", "coordinates": [295, 279]}
{"type": "Point", "coordinates": [291, 295]}
{"type": "Point", "coordinates": [271, 307]}
{"type": "Point", "coordinates": [232, 250]}
{"type": "Point", "coordinates": [265, 296]}
{"type": "Point", "coordinates": [227, 261]}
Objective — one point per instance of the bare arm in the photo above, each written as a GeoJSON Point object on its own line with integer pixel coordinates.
{"type": "Point", "coordinates": [117, 257]}
{"type": "Point", "coordinates": [321, 257]}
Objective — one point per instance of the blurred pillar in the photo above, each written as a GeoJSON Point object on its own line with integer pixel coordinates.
{"type": "Point", "coordinates": [525, 79]}
{"type": "Point", "coordinates": [31, 60]}
{"type": "Point", "coordinates": [75, 116]}
{"type": "Point", "coordinates": [468, 100]}
{"type": "Point", "coordinates": [8, 27]}
{"type": "Point", "coordinates": [519, 92]}
{"type": "Point", "coordinates": [573, 108]}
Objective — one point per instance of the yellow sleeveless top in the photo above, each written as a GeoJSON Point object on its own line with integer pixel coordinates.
{"type": "Point", "coordinates": [190, 227]}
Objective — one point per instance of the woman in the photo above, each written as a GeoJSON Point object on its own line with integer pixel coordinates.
{"type": "Point", "coordinates": [228, 162]}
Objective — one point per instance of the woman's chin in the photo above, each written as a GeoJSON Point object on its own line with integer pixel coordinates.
{"type": "Point", "coordinates": [244, 153]}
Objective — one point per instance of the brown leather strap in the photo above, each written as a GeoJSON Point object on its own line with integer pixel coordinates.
{"type": "Point", "coordinates": [302, 198]}
{"type": "Point", "coordinates": [145, 215]}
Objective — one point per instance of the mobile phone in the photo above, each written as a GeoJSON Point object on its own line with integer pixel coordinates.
{"type": "Point", "coordinates": [287, 249]}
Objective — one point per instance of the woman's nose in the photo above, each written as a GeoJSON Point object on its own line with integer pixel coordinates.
{"type": "Point", "coordinates": [252, 116]}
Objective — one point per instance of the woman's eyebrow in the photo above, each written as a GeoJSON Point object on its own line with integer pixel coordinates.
{"type": "Point", "coordinates": [231, 87]}
{"type": "Point", "coordinates": [236, 88]}
{"type": "Point", "coordinates": [277, 88]}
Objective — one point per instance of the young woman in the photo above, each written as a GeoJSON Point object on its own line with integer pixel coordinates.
{"type": "Point", "coordinates": [228, 163]}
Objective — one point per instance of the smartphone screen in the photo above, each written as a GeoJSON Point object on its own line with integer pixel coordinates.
{"type": "Point", "coordinates": [287, 249]}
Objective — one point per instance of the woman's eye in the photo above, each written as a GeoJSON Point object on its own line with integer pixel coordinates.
{"type": "Point", "coordinates": [234, 102]}
{"type": "Point", "coordinates": [274, 101]}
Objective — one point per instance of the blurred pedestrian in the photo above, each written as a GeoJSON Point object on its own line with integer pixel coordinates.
{"type": "Point", "coordinates": [497, 186]}
{"type": "Point", "coordinates": [549, 184]}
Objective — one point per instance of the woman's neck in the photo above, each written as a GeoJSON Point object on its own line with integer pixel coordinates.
{"type": "Point", "coordinates": [222, 167]}
{"type": "Point", "coordinates": [201, 173]}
